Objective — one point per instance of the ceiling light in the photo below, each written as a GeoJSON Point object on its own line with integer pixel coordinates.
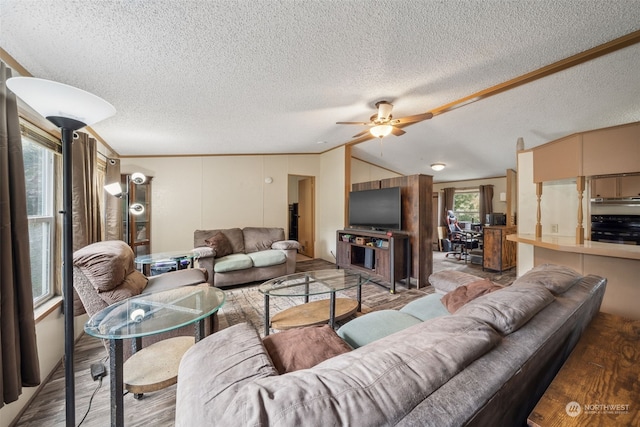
{"type": "Point", "coordinates": [437, 166]}
{"type": "Point", "coordinates": [381, 131]}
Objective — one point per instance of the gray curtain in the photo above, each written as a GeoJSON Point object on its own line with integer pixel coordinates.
{"type": "Point", "coordinates": [486, 201]}
{"type": "Point", "coordinates": [112, 205]}
{"type": "Point", "coordinates": [447, 203]}
{"type": "Point", "coordinates": [86, 200]}
{"type": "Point", "coordinates": [19, 365]}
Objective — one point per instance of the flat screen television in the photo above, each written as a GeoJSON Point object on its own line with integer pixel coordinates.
{"type": "Point", "coordinates": [379, 209]}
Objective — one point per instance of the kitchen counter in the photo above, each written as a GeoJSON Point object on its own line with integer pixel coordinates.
{"type": "Point", "coordinates": [568, 244]}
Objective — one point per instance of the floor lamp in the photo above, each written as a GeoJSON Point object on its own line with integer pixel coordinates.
{"type": "Point", "coordinates": [69, 109]}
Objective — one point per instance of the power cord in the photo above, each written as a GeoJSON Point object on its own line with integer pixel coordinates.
{"type": "Point", "coordinates": [91, 400]}
{"type": "Point", "coordinates": [98, 372]}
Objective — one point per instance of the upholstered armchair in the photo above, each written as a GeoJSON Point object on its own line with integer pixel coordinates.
{"type": "Point", "coordinates": [104, 273]}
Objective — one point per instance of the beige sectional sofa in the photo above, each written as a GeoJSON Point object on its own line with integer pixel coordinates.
{"type": "Point", "coordinates": [234, 256]}
{"type": "Point", "coordinates": [486, 364]}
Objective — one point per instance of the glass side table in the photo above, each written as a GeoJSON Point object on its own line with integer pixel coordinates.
{"type": "Point", "coordinates": [149, 314]}
{"type": "Point", "coordinates": [313, 283]}
{"type": "Point", "coordinates": [145, 263]}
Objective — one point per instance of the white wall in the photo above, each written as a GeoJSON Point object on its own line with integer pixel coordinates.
{"type": "Point", "coordinates": [527, 209]}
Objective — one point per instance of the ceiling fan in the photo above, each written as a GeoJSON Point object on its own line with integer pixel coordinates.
{"type": "Point", "coordinates": [383, 123]}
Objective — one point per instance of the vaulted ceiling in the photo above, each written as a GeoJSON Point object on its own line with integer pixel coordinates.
{"type": "Point", "coordinates": [269, 77]}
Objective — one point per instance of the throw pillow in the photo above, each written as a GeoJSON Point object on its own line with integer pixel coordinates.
{"type": "Point", "coordinates": [132, 285]}
{"type": "Point", "coordinates": [219, 243]}
{"type": "Point", "coordinates": [447, 281]}
{"type": "Point", "coordinates": [509, 308]}
{"type": "Point", "coordinates": [557, 278]}
{"type": "Point", "coordinates": [303, 348]}
{"type": "Point", "coordinates": [465, 293]}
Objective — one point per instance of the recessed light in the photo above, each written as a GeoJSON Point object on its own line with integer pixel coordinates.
{"type": "Point", "coordinates": [321, 142]}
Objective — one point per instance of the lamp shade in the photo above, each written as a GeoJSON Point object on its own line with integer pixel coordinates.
{"type": "Point", "coordinates": [381, 131]}
{"type": "Point", "coordinates": [136, 209]}
{"type": "Point", "coordinates": [115, 189]}
{"type": "Point", "coordinates": [138, 178]}
{"type": "Point", "coordinates": [437, 166]}
{"type": "Point", "coordinates": [57, 100]}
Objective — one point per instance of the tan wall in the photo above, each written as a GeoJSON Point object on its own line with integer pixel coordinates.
{"type": "Point", "coordinates": [330, 189]}
{"type": "Point", "coordinates": [190, 193]}
{"type": "Point", "coordinates": [365, 172]}
{"type": "Point", "coordinates": [50, 342]}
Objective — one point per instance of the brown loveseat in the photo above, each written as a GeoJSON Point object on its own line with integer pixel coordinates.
{"type": "Point", "coordinates": [234, 256]}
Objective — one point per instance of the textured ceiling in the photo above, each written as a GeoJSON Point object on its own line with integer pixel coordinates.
{"type": "Point", "coordinates": [225, 77]}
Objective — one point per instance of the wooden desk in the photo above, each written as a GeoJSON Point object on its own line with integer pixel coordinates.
{"type": "Point", "coordinates": [599, 383]}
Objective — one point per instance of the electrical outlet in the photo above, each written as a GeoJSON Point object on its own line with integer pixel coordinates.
{"type": "Point", "coordinates": [554, 228]}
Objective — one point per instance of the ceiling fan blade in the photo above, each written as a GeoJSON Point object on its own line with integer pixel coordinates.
{"type": "Point", "coordinates": [354, 123]}
{"type": "Point", "coordinates": [397, 131]}
{"type": "Point", "coordinates": [364, 132]}
{"type": "Point", "coordinates": [413, 119]}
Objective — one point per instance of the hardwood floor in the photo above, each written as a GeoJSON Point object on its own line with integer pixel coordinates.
{"type": "Point", "coordinates": [154, 409]}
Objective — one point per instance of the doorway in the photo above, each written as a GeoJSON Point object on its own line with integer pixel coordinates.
{"type": "Point", "coordinates": [302, 213]}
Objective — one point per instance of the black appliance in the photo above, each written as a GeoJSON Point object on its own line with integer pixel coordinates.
{"type": "Point", "coordinates": [609, 228]}
{"type": "Point", "coordinates": [379, 209]}
{"type": "Point", "coordinates": [496, 219]}
{"type": "Point", "coordinates": [293, 221]}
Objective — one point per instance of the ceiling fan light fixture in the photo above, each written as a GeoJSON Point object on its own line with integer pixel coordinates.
{"type": "Point", "coordinates": [437, 166]}
{"type": "Point", "coordinates": [384, 110]}
{"type": "Point", "coordinates": [381, 131]}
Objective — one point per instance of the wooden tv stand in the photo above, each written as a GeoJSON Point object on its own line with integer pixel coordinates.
{"type": "Point", "coordinates": [383, 255]}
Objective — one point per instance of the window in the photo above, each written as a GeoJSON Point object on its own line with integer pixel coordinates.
{"type": "Point", "coordinates": [39, 178]}
{"type": "Point", "coordinates": [466, 205]}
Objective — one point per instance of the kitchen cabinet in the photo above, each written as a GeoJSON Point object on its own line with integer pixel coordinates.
{"type": "Point", "coordinates": [616, 186]}
{"type": "Point", "coordinates": [629, 186]}
{"type": "Point", "coordinates": [613, 150]}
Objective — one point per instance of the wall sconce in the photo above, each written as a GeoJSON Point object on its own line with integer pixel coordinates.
{"type": "Point", "coordinates": [136, 209]}
{"type": "Point", "coordinates": [437, 166]}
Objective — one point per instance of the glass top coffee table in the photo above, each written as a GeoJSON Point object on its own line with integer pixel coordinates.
{"type": "Point", "coordinates": [313, 283]}
{"type": "Point", "coordinates": [153, 367]}
{"type": "Point", "coordinates": [175, 257]}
